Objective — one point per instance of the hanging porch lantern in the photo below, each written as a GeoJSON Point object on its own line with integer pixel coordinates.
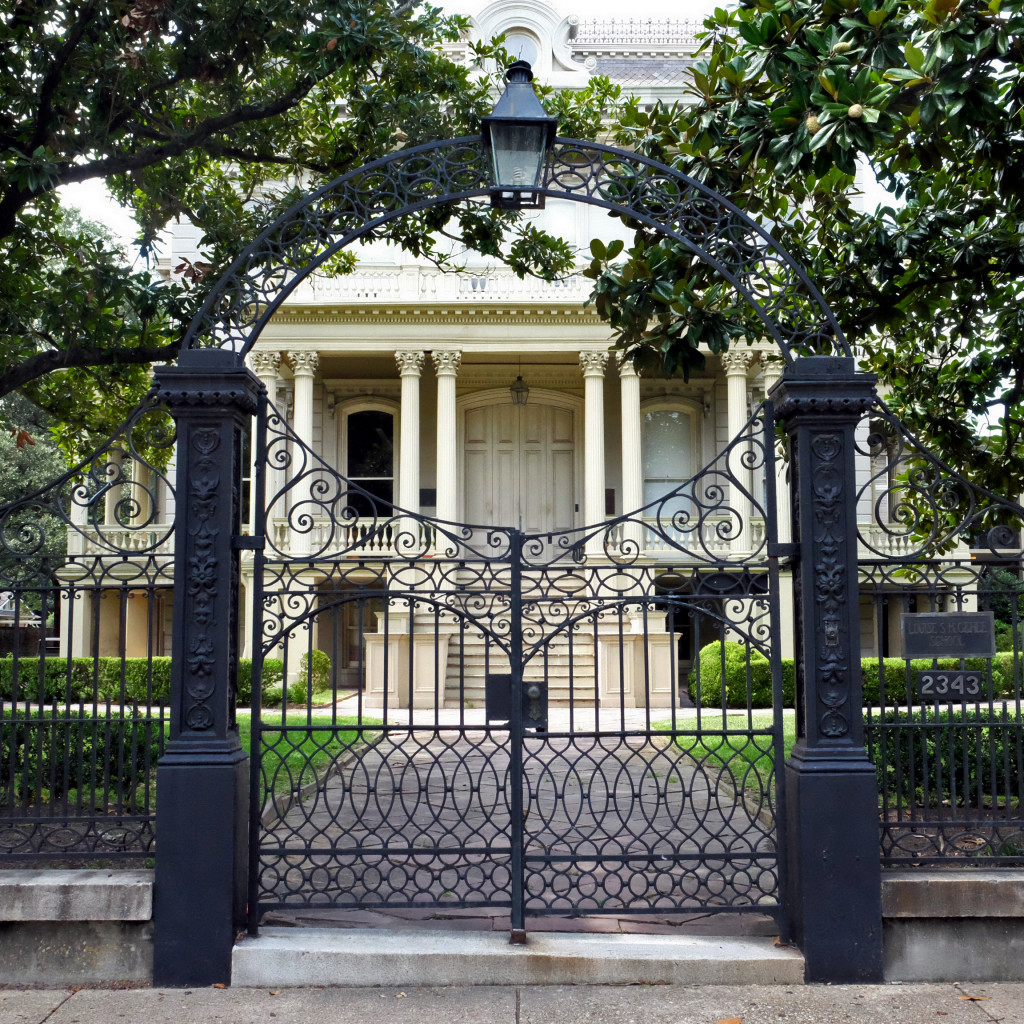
{"type": "Point", "coordinates": [517, 135]}
{"type": "Point", "coordinates": [520, 392]}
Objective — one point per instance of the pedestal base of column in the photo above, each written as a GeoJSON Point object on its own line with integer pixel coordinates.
{"type": "Point", "coordinates": [201, 868]}
{"type": "Point", "coordinates": [634, 663]}
{"type": "Point", "coordinates": [387, 671]}
{"type": "Point", "coordinates": [835, 883]}
{"type": "Point", "coordinates": [430, 669]}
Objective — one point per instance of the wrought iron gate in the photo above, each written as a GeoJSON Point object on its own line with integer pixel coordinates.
{"type": "Point", "coordinates": [499, 721]}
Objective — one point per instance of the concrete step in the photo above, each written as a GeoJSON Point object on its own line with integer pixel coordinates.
{"type": "Point", "coordinates": [559, 668]}
{"type": "Point", "coordinates": [286, 957]}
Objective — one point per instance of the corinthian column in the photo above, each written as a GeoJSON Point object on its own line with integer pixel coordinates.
{"type": "Point", "coordinates": [592, 364]}
{"type": "Point", "coordinates": [772, 373]}
{"type": "Point", "coordinates": [632, 456]}
{"type": "Point", "coordinates": [736, 365]}
{"type": "Point", "coordinates": [777, 477]}
{"type": "Point", "coordinates": [446, 363]}
{"type": "Point", "coordinates": [304, 366]}
{"type": "Point", "coordinates": [410, 366]}
{"type": "Point", "coordinates": [266, 366]}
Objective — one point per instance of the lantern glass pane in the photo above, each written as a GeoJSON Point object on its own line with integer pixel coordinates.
{"type": "Point", "coordinates": [518, 152]}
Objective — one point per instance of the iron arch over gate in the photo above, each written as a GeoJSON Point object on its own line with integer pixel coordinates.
{"type": "Point", "coordinates": [576, 818]}
{"type": "Point", "coordinates": [677, 206]}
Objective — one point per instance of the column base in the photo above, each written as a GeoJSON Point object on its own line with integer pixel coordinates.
{"type": "Point", "coordinates": [199, 896]}
{"type": "Point", "coordinates": [834, 894]}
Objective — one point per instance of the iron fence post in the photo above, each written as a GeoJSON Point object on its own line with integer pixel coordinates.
{"type": "Point", "coordinates": [831, 789]}
{"type": "Point", "coordinates": [517, 808]}
{"type": "Point", "coordinates": [202, 779]}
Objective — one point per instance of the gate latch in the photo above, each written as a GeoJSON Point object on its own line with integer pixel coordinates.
{"type": "Point", "coordinates": [535, 705]}
{"type": "Point", "coordinates": [498, 700]}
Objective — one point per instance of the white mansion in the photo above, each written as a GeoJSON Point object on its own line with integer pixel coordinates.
{"type": "Point", "coordinates": [399, 375]}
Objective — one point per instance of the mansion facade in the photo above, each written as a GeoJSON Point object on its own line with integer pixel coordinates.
{"type": "Point", "coordinates": [477, 397]}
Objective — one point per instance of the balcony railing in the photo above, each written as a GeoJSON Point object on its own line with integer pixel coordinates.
{"type": "Point", "coordinates": [155, 538]}
{"type": "Point", "coordinates": [367, 538]}
{"type": "Point", "coordinates": [422, 284]}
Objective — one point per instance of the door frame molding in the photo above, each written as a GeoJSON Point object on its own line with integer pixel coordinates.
{"type": "Point", "coordinates": [538, 396]}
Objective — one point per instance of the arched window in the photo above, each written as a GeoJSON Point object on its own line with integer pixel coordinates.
{"type": "Point", "coordinates": [669, 450]}
{"type": "Point", "coordinates": [369, 457]}
{"type": "Point", "coordinates": [523, 45]}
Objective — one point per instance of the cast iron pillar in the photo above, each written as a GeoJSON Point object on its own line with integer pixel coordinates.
{"type": "Point", "coordinates": [831, 790]}
{"type": "Point", "coordinates": [202, 779]}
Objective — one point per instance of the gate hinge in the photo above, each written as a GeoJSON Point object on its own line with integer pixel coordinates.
{"type": "Point", "coordinates": [247, 543]}
{"type": "Point", "coordinates": [787, 551]}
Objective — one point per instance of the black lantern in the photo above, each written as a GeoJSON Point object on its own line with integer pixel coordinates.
{"type": "Point", "coordinates": [520, 391]}
{"type": "Point", "coordinates": [517, 135]}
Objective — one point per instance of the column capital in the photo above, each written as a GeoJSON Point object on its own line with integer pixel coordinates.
{"type": "Point", "coordinates": [447, 362]}
{"type": "Point", "coordinates": [737, 362]}
{"type": "Point", "coordinates": [410, 364]}
{"type": "Point", "coordinates": [593, 363]}
{"type": "Point", "coordinates": [627, 368]}
{"type": "Point", "coordinates": [304, 363]}
{"type": "Point", "coordinates": [265, 363]}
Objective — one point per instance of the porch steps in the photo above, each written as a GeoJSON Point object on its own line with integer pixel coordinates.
{"type": "Point", "coordinates": [286, 957]}
{"type": "Point", "coordinates": [471, 659]}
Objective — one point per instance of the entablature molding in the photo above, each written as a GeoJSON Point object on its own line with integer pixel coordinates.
{"type": "Point", "coordinates": [445, 314]}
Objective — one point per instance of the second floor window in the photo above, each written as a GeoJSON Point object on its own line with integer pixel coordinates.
{"type": "Point", "coordinates": [370, 460]}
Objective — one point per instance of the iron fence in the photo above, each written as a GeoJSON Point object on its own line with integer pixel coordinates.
{"type": "Point", "coordinates": [945, 732]}
{"type": "Point", "coordinates": [85, 571]}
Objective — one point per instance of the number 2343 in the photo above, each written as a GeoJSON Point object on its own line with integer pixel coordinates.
{"type": "Point", "coordinates": [946, 684]}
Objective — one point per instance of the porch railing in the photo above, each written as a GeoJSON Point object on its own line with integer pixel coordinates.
{"type": "Point", "coordinates": [715, 537]}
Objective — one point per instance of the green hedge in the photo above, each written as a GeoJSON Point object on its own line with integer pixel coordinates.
{"type": "Point", "coordinates": [91, 761]}
{"type": "Point", "coordinates": [273, 675]}
{"type": "Point", "coordinates": [963, 757]}
{"type": "Point", "coordinates": [736, 668]}
{"type": "Point", "coordinates": [894, 673]}
{"type": "Point", "coordinates": [891, 671]}
{"type": "Point", "coordinates": [78, 679]}
{"type": "Point", "coordinates": [128, 680]}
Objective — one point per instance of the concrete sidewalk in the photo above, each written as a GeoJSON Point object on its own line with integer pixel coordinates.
{"type": "Point", "coordinates": [662, 1004]}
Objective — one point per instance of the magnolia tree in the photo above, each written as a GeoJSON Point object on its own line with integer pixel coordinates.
{"type": "Point", "coordinates": [789, 97]}
{"type": "Point", "coordinates": [219, 112]}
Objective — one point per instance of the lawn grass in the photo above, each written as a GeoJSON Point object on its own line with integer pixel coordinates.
{"type": "Point", "coordinates": [293, 757]}
{"type": "Point", "coordinates": [728, 745]}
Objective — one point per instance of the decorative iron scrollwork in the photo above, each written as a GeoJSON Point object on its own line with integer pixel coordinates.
{"type": "Point", "coordinates": [108, 507]}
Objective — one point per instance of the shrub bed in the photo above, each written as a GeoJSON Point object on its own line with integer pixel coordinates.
{"type": "Point", "coordinates": [273, 674]}
{"type": "Point", "coordinates": [89, 761]}
{"type": "Point", "coordinates": [885, 680]}
{"type": "Point", "coordinates": [733, 658]}
{"type": "Point", "coordinates": [120, 681]}
{"type": "Point", "coordinates": [963, 757]}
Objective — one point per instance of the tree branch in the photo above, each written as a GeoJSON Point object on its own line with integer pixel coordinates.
{"type": "Point", "coordinates": [53, 76]}
{"type": "Point", "coordinates": [198, 138]}
{"type": "Point", "coordinates": [46, 362]}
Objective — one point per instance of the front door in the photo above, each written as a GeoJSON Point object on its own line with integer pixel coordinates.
{"type": "Point", "coordinates": [519, 467]}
